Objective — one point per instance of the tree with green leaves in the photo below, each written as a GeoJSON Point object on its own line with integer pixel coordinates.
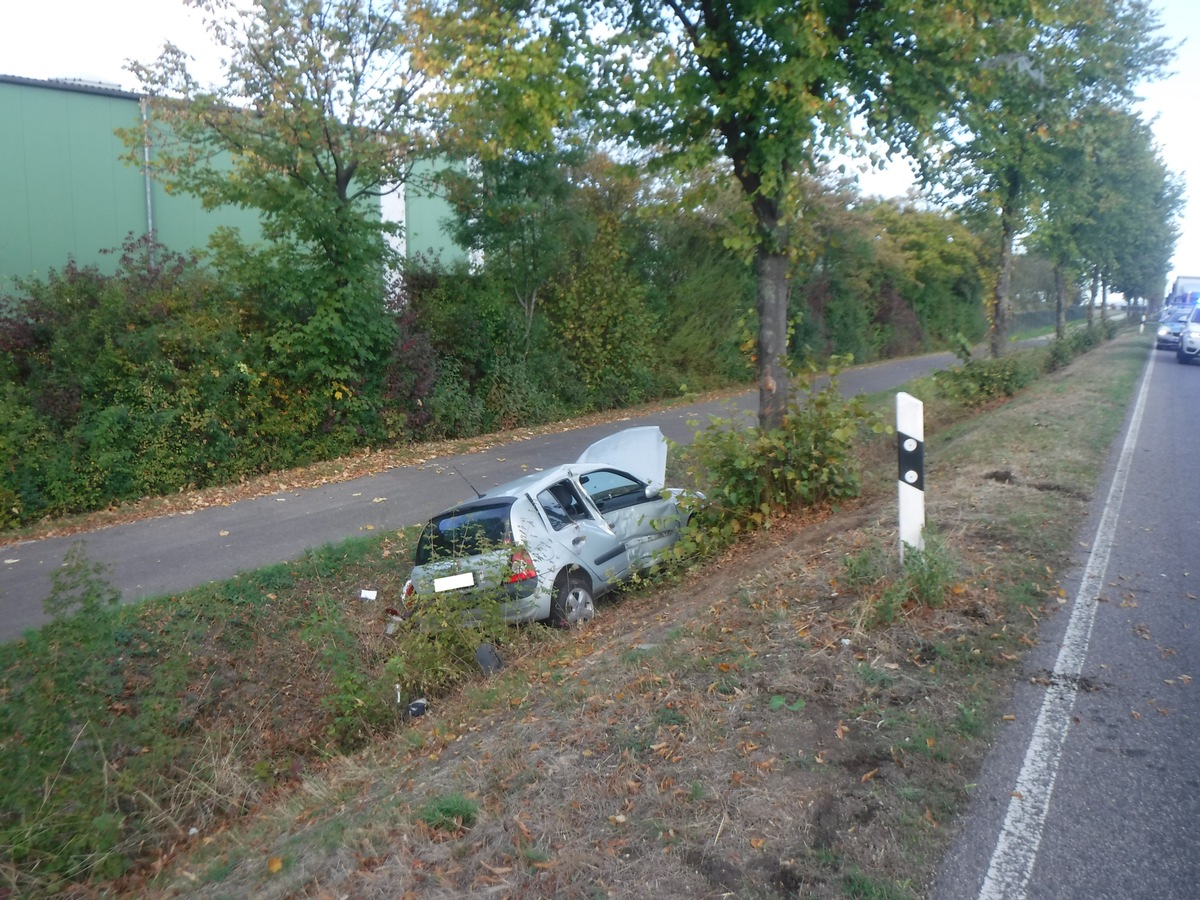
{"type": "Point", "coordinates": [521, 212]}
{"type": "Point", "coordinates": [1039, 71]}
{"type": "Point", "coordinates": [318, 115]}
{"type": "Point", "coordinates": [1129, 242]}
{"type": "Point", "coordinates": [1109, 209]}
{"type": "Point", "coordinates": [768, 91]}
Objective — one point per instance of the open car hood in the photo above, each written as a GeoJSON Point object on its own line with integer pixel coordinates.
{"type": "Point", "coordinates": [641, 451]}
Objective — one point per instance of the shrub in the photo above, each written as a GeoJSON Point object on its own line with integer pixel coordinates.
{"type": "Point", "coordinates": [981, 381]}
{"type": "Point", "coordinates": [436, 649]}
{"type": "Point", "coordinates": [748, 476]}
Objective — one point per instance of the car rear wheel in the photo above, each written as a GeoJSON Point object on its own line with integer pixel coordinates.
{"type": "Point", "coordinates": [572, 602]}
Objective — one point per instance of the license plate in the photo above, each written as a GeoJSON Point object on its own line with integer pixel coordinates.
{"type": "Point", "coordinates": [454, 582]}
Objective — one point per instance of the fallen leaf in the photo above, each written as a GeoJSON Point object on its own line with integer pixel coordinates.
{"type": "Point", "coordinates": [274, 865]}
{"type": "Point", "coordinates": [1009, 718]}
{"type": "Point", "coordinates": [1135, 714]}
{"type": "Point", "coordinates": [928, 817]}
{"type": "Point", "coordinates": [1018, 795]}
{"type": "Point", "coordinates": [379, 500]}
{"type": "Point", "coordinates": [616, 820]}
{"type": "Point", "coordinates": [868, 776]}
{"type": "Point", "coordinates": [497, 870]}
{"type": "Point", "coordinates": [758, 843]}
{"type": "Point", "coordinates": [841, 731]}
{"type": "Point", "coordinates": [224, 533]}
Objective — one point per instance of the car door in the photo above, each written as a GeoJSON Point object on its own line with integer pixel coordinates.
{"type": "Point", "coordinates": [646, 520]}
{"type": "Point", "coordinates": [590, 541]}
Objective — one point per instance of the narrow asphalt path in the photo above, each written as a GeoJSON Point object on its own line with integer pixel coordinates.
{"type": "Point", "coordinates": [172, 553]}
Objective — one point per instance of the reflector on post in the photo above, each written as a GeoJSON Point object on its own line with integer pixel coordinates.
{"type": "Point", "coordinates": [910, 452]}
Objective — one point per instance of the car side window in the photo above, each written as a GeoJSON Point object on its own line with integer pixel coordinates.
{"type": "Point", "coordinates": [610, 489]}
{"type": "Point", "coordinates": [562, 505]}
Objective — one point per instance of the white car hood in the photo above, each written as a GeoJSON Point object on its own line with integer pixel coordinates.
{"type": "Point", "coordinates": [641, 451]}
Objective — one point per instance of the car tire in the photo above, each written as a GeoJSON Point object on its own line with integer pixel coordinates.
{"type": "Point", "coordinates": [572, 603]}
{"type": "Point", "coordinates": [1181, 357]}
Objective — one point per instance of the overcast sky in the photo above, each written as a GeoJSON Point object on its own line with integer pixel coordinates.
{"type": "Point", "coordinates": [93, 39]}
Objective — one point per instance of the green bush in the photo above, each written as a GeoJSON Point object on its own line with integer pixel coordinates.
{"type": "Point", "coordinates": [158, 378]}
{"type": "Point", "coordinates": [435, 650]}
{"type": "Point", "coordinates": [981, 381]}
{"type": "Point", "coordinates": [749, 476]}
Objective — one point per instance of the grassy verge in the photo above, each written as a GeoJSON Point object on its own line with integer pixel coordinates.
{"type": "Point", "coordinates": [801, 716]}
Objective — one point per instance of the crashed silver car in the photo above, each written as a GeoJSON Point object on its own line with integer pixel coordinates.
{"type": "Point", "coordinates": [547, 544]}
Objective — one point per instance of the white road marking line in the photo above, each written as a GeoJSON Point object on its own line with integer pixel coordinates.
{"type": "Point", "coordinates": [1021, 835]}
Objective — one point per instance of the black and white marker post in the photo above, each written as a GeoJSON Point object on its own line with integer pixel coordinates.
{"type": "Point", "coordinates": [910, 447]}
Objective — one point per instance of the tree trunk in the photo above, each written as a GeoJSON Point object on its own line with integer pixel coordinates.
{"type": "Point", "coordinates": [1000, 298]}
{"type": "Point", "coordinates": [1104, 301]}
{"type": "Point", "coordinates": [1092, 301]}
{"type": "Point", "coordinates": [1060, 303]}
{"type": "Point", "coordinates": [772, 370]}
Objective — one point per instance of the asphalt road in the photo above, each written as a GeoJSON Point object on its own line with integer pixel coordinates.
{"type": "Point", "coordinates": [1092, 790]}
{"type": "Point", "coordinates": [170, 554]}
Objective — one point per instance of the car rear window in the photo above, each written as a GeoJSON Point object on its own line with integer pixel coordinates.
{"type": "Point", "coordinates": [465, 531]}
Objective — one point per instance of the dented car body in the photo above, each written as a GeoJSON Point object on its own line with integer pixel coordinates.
{"type": "Point", "coordinates": [546, 545]}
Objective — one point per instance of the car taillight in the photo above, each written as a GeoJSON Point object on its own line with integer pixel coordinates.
{"type": "Point", "coordinates": [521, 567]}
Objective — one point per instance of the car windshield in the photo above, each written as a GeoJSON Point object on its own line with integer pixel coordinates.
{"type": "Point", "coordinates": [465, 531]}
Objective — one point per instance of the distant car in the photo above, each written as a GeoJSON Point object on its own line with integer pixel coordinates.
{"type": "Point", "coordinates": [1189, 338]}
{"type": "Point", "coordinates": [1168, 332]}
{"type": "Point", "coordinates": [549, 543]}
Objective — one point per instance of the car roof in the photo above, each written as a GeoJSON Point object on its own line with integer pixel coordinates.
{"type": "Point", "coordinates": [637, 451]}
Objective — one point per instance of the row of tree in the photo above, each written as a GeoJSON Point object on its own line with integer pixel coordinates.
{"type": "Point", "coordinates": [1020, 110]}
{"type": "Point", "coordinates": [648, 188]}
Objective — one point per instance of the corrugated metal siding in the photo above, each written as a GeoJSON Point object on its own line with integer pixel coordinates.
{"type": "Point", "coordinates": [65, 192]}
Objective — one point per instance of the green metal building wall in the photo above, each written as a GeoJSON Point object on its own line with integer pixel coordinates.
{"type": "Point", "coordinates": [65, 192]}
